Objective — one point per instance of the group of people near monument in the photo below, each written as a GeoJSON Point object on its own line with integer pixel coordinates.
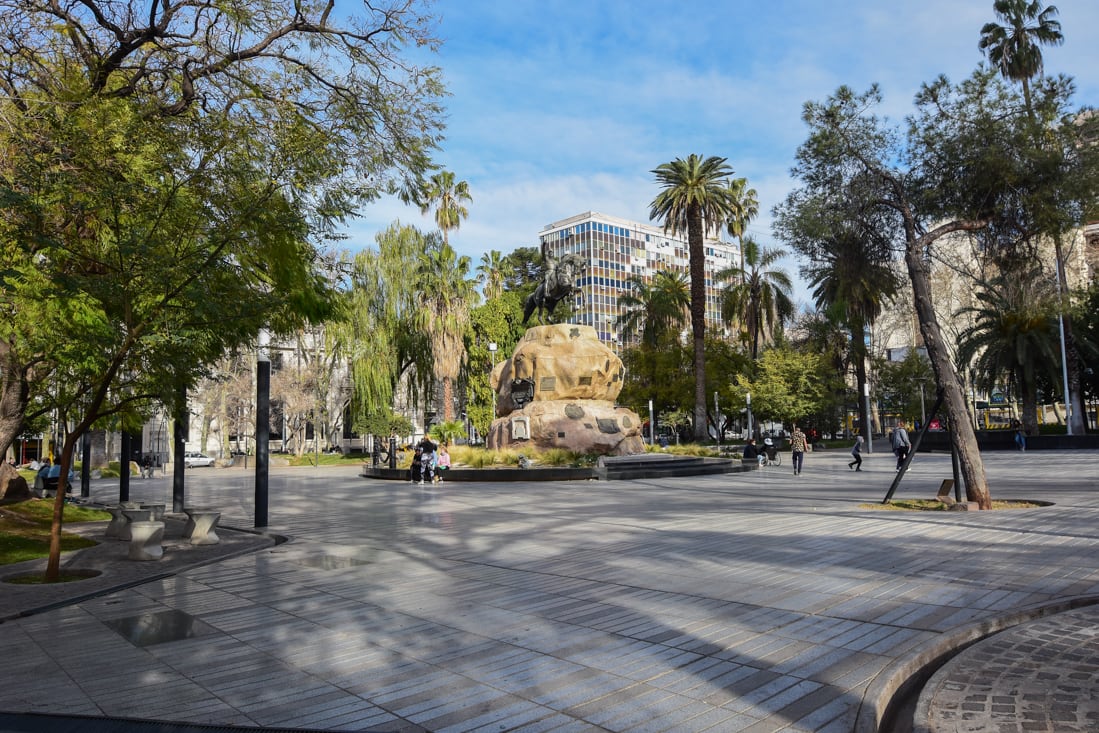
{"type": "Point", "coordinates": [799, 446]}
{"type": "Point", "coordinates": [429, 462]}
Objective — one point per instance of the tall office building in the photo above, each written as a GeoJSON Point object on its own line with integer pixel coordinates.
{"type": "Point", "coordinates": [616, 249]}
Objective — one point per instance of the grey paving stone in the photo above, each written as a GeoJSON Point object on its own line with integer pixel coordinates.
{"type": "Point", "coordinates": [615, 598]}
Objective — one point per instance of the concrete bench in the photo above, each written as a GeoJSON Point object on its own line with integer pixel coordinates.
{"type": "Point", "coordinates": [201, 526]}
{"type": "Point", "coordinates": [119, 521]}
{"type": "Point", "coordinates": [145, 540]}
{"type": "Point", "coordinates": [131, 516]}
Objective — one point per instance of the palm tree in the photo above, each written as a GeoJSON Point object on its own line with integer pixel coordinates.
{"type": "Point", "coordinates": [852, 282]}
{"type": "Point", "coordinates": [447, 197]}
{"type": "Point", "coordinates": [493, 272]}
{"type": "Point", "coordinates": [655, 309]}
{"type": "Point", "coordinates": [1015, 47]}
{"type": "Point", "coordinates": [447, 294]}
{"type": "Point", "coordinates": [759, 298]}
{"type": "Point", "coordinates": [695, 200]}
{"type": "Point", "coordinates": [1014, 333]}
{"type": "Point", "coordinates": [745, 208]}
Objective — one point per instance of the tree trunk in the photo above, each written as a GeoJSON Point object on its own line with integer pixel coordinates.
{"type": "Point", "coordinates": [53, 564]}
{"type": "Point", "coordinates": [858, 356]}
{"type": "Point", "coordinates": [962, 436]}
{"type": "Point", "coordinates": [1029, 418]}
{"type": "Point", "coordinates": [695, 237]}
{"type": "Point", "coordinates": [448, 399]}
{"type": "Point", "coordinates": [14, 395]}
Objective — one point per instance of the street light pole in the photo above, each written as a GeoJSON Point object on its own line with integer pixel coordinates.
{"type": "Point", "coordinates": [866, 417]}
{"type": "Point", "coordinates": [748, 400]}
{"type": "Point", "coordinates": [652, 426]}
{"type": "Point", "coordinates": [492, 350]}
{"type": "Point", "coordinates": [717, 422]}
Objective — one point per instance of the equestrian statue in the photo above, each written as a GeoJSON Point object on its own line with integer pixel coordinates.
{"type": "Point", "coordinates": [557, 284]}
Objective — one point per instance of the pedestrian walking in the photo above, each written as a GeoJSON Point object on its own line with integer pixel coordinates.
{"type": "Point", "coordinates": [798, 446]}
{"type": "Point", "coordinates": [416, 470]}
{"type": "Point", "coordinates": [901, 444]}
{"type": "Point", "coordinates": [427, 460]}
{"type": "Point", "coordinates": [856, 453]}
{"type": "Point", "coordinates": [1020, 435]}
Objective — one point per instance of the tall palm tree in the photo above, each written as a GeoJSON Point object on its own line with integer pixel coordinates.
{"type": "Point", "coordinates": [1015, 47]}
{"type": "Point", "coordinates": [695, 200]}
{"type": "Point", "coordinates": [657, 309]}
{"type": "Point", "coordinates": [853, 282]}
{"type": "Point", "coordinates": [446, 295]}
{"type": "Point", "coordinates": [447, 198]}
{"type": "Point", "coordinates": [1014, 334]}
{"type": "Point", "coordinates": [745, 208]}
{"type": "Point", "coordinates": [493, 272]}
{"type": "Point", "coordinates": [759, 296]}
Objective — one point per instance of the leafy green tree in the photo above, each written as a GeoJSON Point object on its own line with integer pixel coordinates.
{"type": "Point", "coordinates": [664, 375]}
{"type": "Point", "coordinates": [758, 296]}
{"type": "Point", "coordinates": [849, 266]}
{"type": "Point", "coordinates": [1086, 314]}
{"type": "Point", "coordinates": [524, 270]}
{"type": "Point", "coordinates": [900, 384]}
{"type": "Point", "coordinates": [694, 199]}
{"type": "Point", "coordinates": [498, 321]}
{"type": "Point", "coordinates": [446, 295]}
{"type": "Point", "coordinates": [375, 327]}
{"type": "Point", "coordinates": [656, 310]}
{"type": "Point", "coordinates": [787, 385]}
{"type": "Point", "coordinates": [1015, 47]}
{"type": "Point", "coordinates": [448, 198]}
{"type": "Point", "coordinates": [677, 420]}
{"type": "Point", "coordinates": [1013, 337]}
{"type": "Point", "coordinates": [162, 229]}
{"type": "Point", "coordinates": [146, 284]}
{"type": "Point", "coordinates": [967, 162]}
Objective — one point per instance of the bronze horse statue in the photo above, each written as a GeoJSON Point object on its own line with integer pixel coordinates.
{"type": "Point", "coordinates": [556, 285]}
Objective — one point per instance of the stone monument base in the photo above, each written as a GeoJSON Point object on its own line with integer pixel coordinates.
{"type": "Point", "coordinates": [584, 426]}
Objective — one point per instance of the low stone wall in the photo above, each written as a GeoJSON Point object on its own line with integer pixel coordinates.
{"type": "Point", "coordinates": [987, 440]}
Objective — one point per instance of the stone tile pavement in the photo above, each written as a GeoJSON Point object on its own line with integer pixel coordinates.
{"type": "Point", "coordinates": [741, 602]}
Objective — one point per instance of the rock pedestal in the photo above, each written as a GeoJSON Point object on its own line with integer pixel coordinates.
{"type": "Point", "coordinates": [558, 390]}
{"type": "Point", "coordinates": [13, 487]}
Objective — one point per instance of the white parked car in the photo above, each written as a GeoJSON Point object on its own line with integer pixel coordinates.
{"type": "Point", "coordinates": [197, 459]}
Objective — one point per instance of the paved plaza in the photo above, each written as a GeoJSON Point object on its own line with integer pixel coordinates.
{"type": "Point", "coordinates": [758, 601]}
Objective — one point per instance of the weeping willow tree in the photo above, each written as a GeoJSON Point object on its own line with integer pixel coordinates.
{"type": "Point", "coordinates": [377, 330]}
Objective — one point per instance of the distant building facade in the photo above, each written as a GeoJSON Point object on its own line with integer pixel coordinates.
{"type": "Point", "coordinates": [616, 249]}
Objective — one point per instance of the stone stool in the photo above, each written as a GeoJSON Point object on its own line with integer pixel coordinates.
{"type": "Point", "coordinates": [145, 539]}
{"type": "Point", "coordinates": [200, 527]}
{"type": "Point", "coordinates": [131, 516]}
{"type": "Point", "coordinates": [157, 510]}
{"type": "Point", "coordinates": [118, 520]}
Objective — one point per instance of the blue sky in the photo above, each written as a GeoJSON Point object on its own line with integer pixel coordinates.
{"type": "Point", "coordinates": [563, 106]}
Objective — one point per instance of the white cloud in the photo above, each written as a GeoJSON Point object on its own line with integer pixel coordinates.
{"type": "Point", "coordinates": [563, 107]}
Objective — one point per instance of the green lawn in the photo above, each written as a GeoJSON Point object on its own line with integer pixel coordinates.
{"type": "Point", "coordinates": [25, 529]}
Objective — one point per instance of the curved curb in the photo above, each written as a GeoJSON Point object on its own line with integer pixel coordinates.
{"type": "Point", "coordinates": [892, 685]}
{"type": "Point", "coordinates": [276, 539]}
